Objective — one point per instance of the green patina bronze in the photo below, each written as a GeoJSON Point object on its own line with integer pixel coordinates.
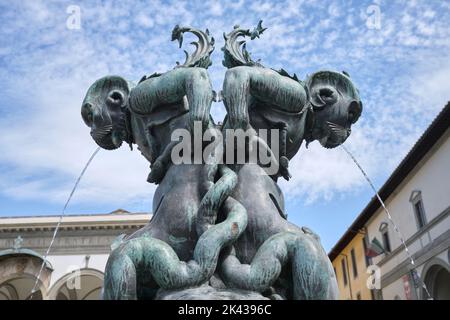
{"type": "Point", "coordinates": [220, 230]}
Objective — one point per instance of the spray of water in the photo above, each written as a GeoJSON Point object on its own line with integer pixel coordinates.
{"type": "Point", "coordinates": [60, 220]}
{"type": "Point", "coordinates": [386, 210]}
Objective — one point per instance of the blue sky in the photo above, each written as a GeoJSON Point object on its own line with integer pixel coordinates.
{"type": "Point", "coordinates": [400, 66]}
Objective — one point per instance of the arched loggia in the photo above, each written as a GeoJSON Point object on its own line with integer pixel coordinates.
{"type": "Point", "coordinates": [82, 284]}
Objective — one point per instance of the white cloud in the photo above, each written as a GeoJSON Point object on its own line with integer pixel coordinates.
{"type": "Point", "coordinates": [145, 21]}
{"type": "Point", "coordinates": [401, 70]}
{"type": "Point", "coordinates": [216, 8]}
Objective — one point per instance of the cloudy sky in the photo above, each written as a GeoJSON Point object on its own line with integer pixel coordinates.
{"type": "Point", "coordinates": [397, 53]}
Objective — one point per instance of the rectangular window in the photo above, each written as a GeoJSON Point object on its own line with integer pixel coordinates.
{"type": "Point", "coordinates": [386, 242]}
{"type": "Point", "coordinates": [355, 269]}
{"type": "Point", "coordinates": [420, 213]}
{"type": "Point", "coordinates": [344, 272]}
{"type": "Point", "coordinates": [368, 260]}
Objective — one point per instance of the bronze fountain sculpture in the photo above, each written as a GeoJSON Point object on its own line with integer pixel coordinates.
{"type": "Point", "coordinates": [219, 229]}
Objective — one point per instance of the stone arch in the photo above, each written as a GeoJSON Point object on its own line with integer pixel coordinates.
{"type": "Point", "coordinates": [19, 287]}
{"type": "Point", "coordinates": [436, 276]}
{"type": "Point", "coordinates": [82, 284]}
{"type": "Point", "coordinates": [18, 275]}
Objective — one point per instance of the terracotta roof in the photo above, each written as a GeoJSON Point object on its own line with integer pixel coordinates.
{"type": "Point", "coordinates": [119, 211]}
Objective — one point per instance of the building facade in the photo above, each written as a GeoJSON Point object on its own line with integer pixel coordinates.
{"type": "Point", "coordinates": [417, 196]}
{"type": "Point", "coordinates": [350, 268]}
{"type": "Point", "coordinates": [76, 263]}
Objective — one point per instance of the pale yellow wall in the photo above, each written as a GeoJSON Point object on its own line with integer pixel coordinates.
{"type": "Point", "coordinates": [357, 284]}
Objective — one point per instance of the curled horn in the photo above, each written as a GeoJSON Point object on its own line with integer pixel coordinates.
{"type": "Point", "coordinates": [203, 47]}
{"type": "Point", "coordinates": [235, 51]}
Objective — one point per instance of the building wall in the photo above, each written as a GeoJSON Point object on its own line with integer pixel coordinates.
{"type": "Point", "coordinates": [77, 258]}
{"type": "Point", "coordinates": [432, 178]}
{"type": "Point", "coordinates": [65, 264]}
{"type": "Point", "coordinates": [356, 284]}
{"type": "Point", "coordinates": [395, 290]}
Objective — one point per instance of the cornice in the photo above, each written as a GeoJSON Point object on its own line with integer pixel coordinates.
{"type": "Point", "coordinates": [73, 223]}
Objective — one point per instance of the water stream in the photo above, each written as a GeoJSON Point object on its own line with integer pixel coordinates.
{"type": "Point", "coordinates": [59, 221]}
{"type": "Point", "coordinates": [386, 210]}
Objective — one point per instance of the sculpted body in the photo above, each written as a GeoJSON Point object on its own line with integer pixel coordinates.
{"type": "Point", "coordinates": [216, 224]}
{"type": "Point", "coordinates": [265, 99]}
{"type": "Point", "coordinates": [146, 114]}
{"type": "Point", "coordinates": [168, 253]}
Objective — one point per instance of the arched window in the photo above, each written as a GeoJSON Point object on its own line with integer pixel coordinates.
{"type": "Point", "coordinates": [436, 276]}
